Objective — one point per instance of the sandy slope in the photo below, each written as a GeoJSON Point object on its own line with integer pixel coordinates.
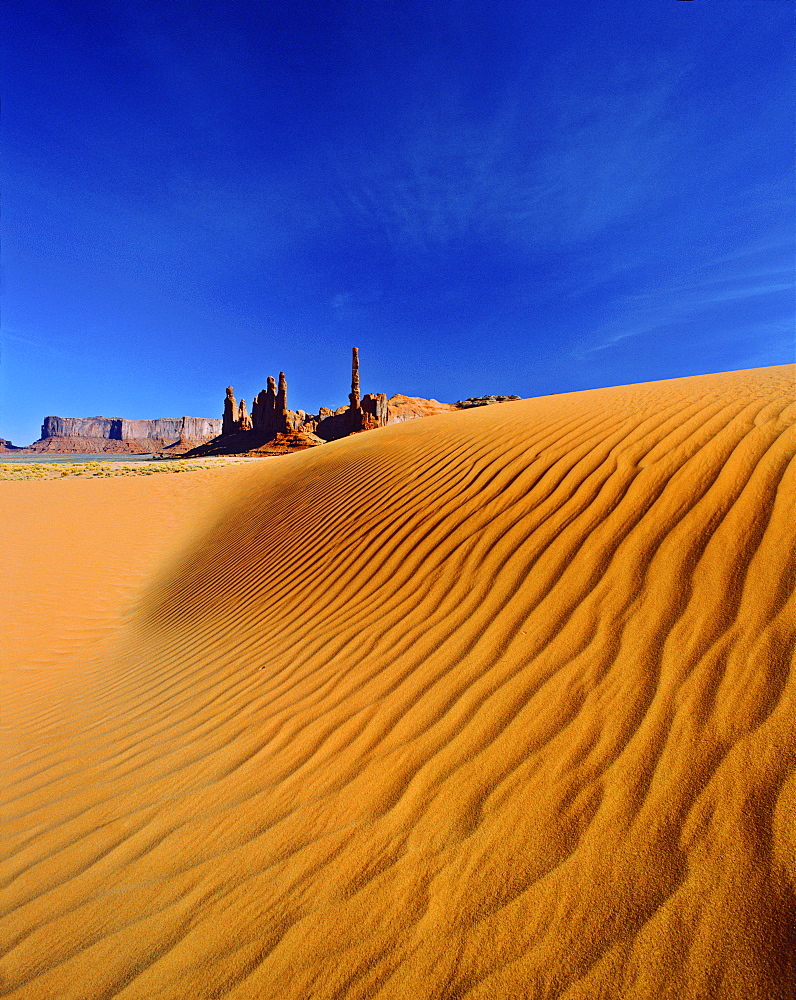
{"type": "Point", "coordinates": [493, 704]}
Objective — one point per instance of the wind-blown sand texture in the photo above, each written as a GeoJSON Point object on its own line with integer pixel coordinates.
{"type": "Point", "coordinates": [493, 704]}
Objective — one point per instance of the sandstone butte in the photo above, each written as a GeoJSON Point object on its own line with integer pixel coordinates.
{"type": "Point", "coordinates": [496, 704]}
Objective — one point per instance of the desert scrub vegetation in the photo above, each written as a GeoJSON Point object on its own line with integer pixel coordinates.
{"type": "Point", "coordinates": [30, 471]}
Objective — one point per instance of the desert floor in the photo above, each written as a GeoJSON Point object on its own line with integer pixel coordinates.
{"type": "Point", "coordinates": [494, 704]}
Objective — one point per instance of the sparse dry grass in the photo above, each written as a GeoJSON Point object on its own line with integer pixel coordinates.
{"type": "Point", "coordinates": [30, 471]}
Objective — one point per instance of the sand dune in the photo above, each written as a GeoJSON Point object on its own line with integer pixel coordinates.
{"type": "Point", "coordinates": [494, 704]}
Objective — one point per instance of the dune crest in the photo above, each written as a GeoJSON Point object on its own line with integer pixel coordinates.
{"type": "Point", "coordinates": [499, 703]}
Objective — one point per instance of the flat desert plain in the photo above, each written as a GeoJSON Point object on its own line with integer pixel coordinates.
{"type": "Point", "coordinates": [494, 704]}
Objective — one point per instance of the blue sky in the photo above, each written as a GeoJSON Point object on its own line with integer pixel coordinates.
{"type": "Point", "coordinates": [522, 198]}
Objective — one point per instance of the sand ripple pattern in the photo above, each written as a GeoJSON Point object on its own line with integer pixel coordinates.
{"type": "Point", "coordinates": [497, 704]}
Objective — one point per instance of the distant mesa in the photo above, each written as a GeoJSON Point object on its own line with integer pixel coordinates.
{"type": "Point", "coordinates": [116, 435]}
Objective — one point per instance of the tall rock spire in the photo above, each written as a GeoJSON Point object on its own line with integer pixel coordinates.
{"type": "Point", "coordinates": [231, 414]}
{"type": "Point", "coordinates": [354, 397]}
{"type": "Point", "coordinates": [281, 396]}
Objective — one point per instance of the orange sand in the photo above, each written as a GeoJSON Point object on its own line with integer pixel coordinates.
{"type": "Point", "coordinates": [496, 704]}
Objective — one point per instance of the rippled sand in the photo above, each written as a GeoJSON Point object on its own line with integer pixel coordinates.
{"type": "Point", "coordinates": [495, 704]}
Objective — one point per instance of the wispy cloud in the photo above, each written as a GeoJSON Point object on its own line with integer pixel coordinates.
{"type": "Point", "coordinates": [6, 334]}
{"type": "Point", "coordinates": [449, 177]}
{"type": "Point", "coordinates": [657, 309]}
{"type": "Point", "coordinates": [15, 337]}
{"type": "Point", "coordinates": [351, 307]}
{"type": "Point", "coordinates": [25, 344]}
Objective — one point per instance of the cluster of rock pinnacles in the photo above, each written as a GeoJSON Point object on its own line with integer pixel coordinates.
{"type": "Point", "coordinates": [270, 415]}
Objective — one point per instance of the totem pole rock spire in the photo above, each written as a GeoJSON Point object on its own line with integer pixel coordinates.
{"type": "Point", "coordinates": [354, 397]}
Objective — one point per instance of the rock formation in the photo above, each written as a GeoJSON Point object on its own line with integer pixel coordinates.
{"type": "Point", "coordinates": [362, 414]}
{"type": "Point", "coordinates": [199, 428]}
{"type": "Point", "coordinates": [270, 416]}
{"type": "Point", "coordinates": [403, 408]}
{"type": "Point", "coordinates": [373, 411]}
{"type": "Point", "coordinates": [264, 411]}
{"type": "Point", "coordinates": [89, 427]}
{"type": "Point", "coordinates": [75, 435]}
{"type": "Point", "coordinates": [231, 416]}
{"type": "Point", "coordinates": [466, 404]}
{"type": "Point", "coordinates": [354, 396]}
{"type": "Point", "coordinates": [281, 398]}
{"type": "Point", "coordinates": [272, 422]}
